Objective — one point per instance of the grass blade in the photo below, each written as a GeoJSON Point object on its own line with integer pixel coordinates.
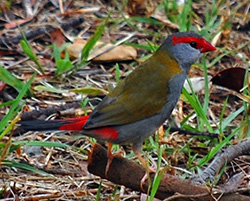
{"type": "Point", "coordinates": [24, 167]}
{"type": "Point", "coordinates": [15, 108]}
{"type": "Point", "coordinates": [41, 144]}
{"type": "Point", "coordinates": [11, 80]}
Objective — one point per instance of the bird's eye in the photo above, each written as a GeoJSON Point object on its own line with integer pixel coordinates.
{"type": "Point", "coordinates": [193, 44]}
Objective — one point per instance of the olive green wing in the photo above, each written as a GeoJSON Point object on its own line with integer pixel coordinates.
{"type": "Point", "coordinates": [142, 94]}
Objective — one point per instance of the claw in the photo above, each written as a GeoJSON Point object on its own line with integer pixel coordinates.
{"type": "Point", "coordinates": [110, 158]}
{"type": "Point", "coordinates": [147, 176]}
{"type": "Point", "coordinates": [149, 170]}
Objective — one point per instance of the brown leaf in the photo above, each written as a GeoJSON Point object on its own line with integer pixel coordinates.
{"type": "Point", "coordinates": [75, 48]}
{"type": "Point", "coordinates": [118, 53]}
{"type": "Point", "coordinates": [106, 53]}
{"type": "Point", "coordinates": [57, 37]}
{"type": "Point", "coordinates": [141, 7]}
{"type": "Point", "coordinates": [38, 77]}
{"type": "Point", "coordinates": [231, 78]}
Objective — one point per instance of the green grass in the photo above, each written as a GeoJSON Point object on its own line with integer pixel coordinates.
{"type": "Point", "coordinates": [30, 53]}
{"type": "Point", "coordinates": [23, 166]}
{"type": "Point", "coordinates": [158, 175]}
{"type": "Point", "coordinates": [8, 122]}
{"type": "Point", "coordinates": [202, 119]}
{"type": "Point", "coordinates": [15, 108]}
{"type": "Point", "coordinates": [11, 80]}
{"type": "Point", "coordinates": [98, 195]}
{"type": "Point", "coordinates": [217, 148]}
{"type": "Point", "coordinates": [62, 64]}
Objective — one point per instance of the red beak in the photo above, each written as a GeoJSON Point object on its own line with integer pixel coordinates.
{"type": "Point", "coordinates": [207, 47]}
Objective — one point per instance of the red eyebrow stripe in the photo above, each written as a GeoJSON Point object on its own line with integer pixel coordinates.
{"type": "Point", "coordinates": [186, 39]}
{"type": "Point", "coordinates": [202, 44]}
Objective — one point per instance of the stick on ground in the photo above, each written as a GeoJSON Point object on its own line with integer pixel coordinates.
{"type": "Point", "coordinates": [128, 173]}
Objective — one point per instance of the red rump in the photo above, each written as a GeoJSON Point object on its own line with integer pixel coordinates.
{"type": "Point", "coordinates": [106, 132]}
{"type": "Point", "coordinates": [77, 124]}
{"type": "Point", "coordinates": [74, 124]}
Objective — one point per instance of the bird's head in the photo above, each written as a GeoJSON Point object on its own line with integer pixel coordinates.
{"type": "Point", "coordinates": [186, 47]}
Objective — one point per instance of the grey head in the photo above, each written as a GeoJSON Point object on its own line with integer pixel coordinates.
{"type": "Point", "coordinates": [186, 48]}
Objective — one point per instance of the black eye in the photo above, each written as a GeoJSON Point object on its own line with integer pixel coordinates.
{"type": "Point", "coordinates": [193, 44]}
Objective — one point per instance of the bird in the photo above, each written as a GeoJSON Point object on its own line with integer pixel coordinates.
{"type": "Point", "coordinates": [141, 102]}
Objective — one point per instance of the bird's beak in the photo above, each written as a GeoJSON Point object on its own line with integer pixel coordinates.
{"type": "Point", "coordinates": [207, 47]}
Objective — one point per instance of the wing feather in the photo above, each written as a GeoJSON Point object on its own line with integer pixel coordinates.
{"type": "Point", "coordinates": [141, 95]}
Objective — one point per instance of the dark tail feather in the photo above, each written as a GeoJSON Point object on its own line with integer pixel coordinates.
{"type": "Point", "coordinates": [74, 124]}
{"type": "Point", "coordinates": [42, 125]}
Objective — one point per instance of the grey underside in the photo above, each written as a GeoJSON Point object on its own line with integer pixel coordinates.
{"type": "Point", "coordinates": [137, 132]}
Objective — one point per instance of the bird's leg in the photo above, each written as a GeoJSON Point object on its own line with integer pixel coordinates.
{"type": "Point", "coordinates": [110, 158]}
{"type": "Point", "coordinates": [145, 165]}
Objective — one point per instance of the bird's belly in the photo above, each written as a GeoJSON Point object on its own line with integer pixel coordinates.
{"type": "Point", "coordinates": [137, 131]}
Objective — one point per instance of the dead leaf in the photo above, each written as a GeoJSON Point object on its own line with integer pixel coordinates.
{"type": "Point", "coordinates": [216, 38]}
{"type": "Point", "coordinates": [57, 37]}
{"type": "Point", "coordinates": [141, 7]}
{"type": "Point", "coordinates": [198, 84]}
{"type": "Point", "coordinates": [103, 53]}
{"type": "Point", "coordinates": [119, 53]}
{"type": "Point", "coordinates": [161, 133]}
{"type": "Point", "coordinates": [26, 76]}
{"type": "Point", "coordinates": [75, 48]}
{"type": "Point", "coordinates": [231, 78]}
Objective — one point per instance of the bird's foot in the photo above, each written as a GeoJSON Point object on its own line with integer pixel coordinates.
{"type": "Point", "coordinates": [111, 156]}
{"type": "Point", "coordinates": [146, 176]}
{"type": "Point", "coordinates": [110, 159]}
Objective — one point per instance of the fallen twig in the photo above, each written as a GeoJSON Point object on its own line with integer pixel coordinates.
{"type": "Point", "coordinates": [40, 31]}
{"type": "Point", "coordinates": [226, 156]}
{"type": "Point", "coordinates": [128, 173]}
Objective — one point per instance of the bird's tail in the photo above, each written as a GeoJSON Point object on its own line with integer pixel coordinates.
{"type": "Point", "coordinates": [74, 124]}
